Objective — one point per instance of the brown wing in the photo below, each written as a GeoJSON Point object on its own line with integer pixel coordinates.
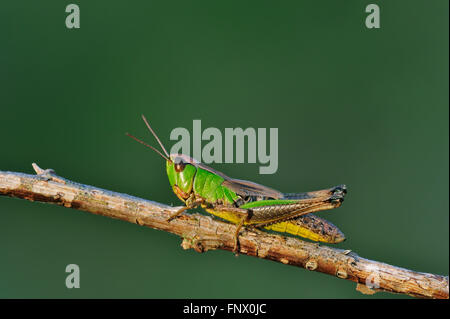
{"type": "Point", "coordinates": [247, 188]}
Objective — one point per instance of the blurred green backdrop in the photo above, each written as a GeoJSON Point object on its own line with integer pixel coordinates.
{"type": "Point", "coordinates": [368, 108]}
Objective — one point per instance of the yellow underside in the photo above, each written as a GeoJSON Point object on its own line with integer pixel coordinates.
{"type": "Point", "coordinates": [282, 227]}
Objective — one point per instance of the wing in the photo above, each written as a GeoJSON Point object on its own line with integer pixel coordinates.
{"type": "Point", "coordinates": [338, 191]}
{"type": "Point", "coordinates": [243, 188]}
{"type": "Point", "coordinates": [247, 188]}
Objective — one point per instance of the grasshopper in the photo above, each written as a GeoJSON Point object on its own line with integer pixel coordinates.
{"type": "Point", "coordinates": [249, 204]}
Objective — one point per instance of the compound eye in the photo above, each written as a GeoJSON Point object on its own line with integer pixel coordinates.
{"type": "Point", "coordinates": [179, 165]}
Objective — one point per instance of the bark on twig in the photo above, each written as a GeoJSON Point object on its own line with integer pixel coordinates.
{"type": "Point", "coordinates": [204, 233]}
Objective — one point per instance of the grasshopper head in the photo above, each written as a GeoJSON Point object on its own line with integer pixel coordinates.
{"type": "Point", "coordinates": [181, 170]}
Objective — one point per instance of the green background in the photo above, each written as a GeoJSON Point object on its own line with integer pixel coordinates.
{"type": "Point", "coordinates": [368, 108]}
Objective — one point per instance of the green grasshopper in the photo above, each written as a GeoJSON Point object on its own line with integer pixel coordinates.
{"type": "Point", "coordinates": [246, 203]}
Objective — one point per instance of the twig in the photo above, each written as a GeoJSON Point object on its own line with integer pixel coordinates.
{"type": "Point", "coordinates": [204, 233]}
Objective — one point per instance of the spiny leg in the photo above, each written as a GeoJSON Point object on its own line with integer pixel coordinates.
{"type": "Point", "coordinates": [236, 235]}
{"type": "Point", "coordinates": [244, 215]}
{"type": "Point", "coordinates": [189, 205]}
{"type": "Point", "coordinates": [178, 212]}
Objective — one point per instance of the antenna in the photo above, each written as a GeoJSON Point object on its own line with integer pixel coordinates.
{"type": "Point", "coordinates": [142, 142]}
{"type": "Point", "coordinates": [154, 134]}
